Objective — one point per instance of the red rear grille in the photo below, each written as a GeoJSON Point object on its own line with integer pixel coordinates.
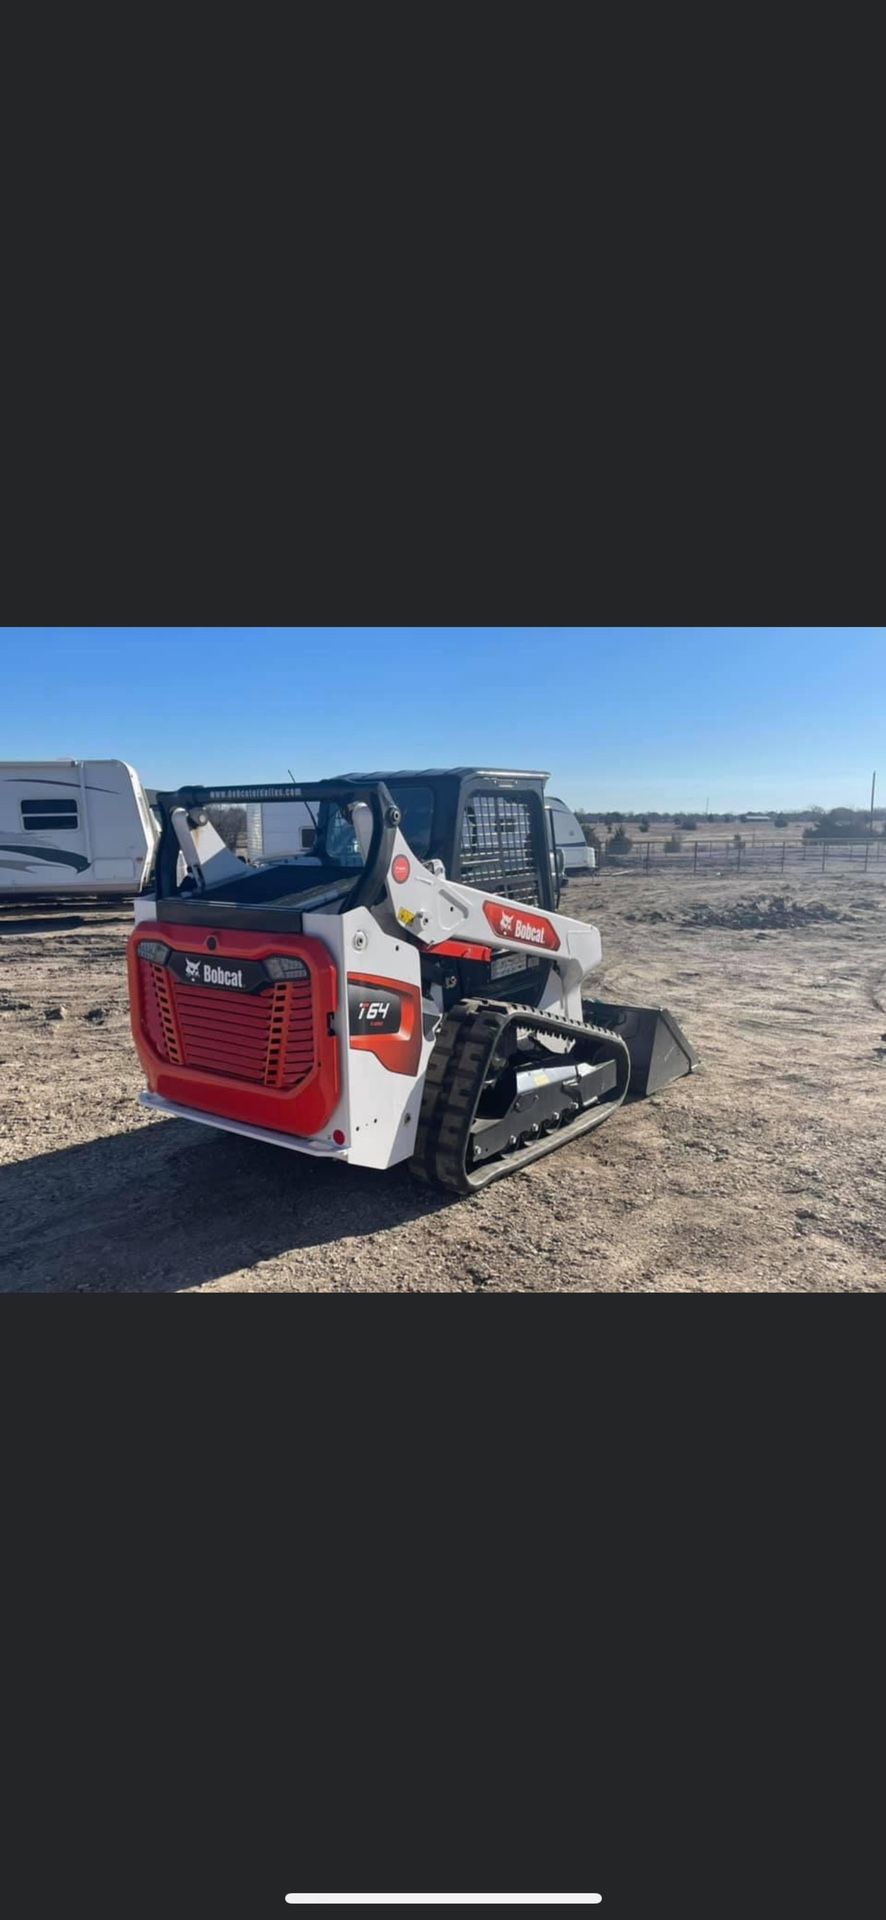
{"type": "Point", "coordinates": [266, 1038]}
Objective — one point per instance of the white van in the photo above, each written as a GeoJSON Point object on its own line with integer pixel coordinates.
{"type": "Point", "coordinates": [74, 826]}
{"type": "Point", "coordinates": [569, 838]}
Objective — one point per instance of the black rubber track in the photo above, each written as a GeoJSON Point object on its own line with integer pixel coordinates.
{"type": "Point", "coordinates": [456, 1074]}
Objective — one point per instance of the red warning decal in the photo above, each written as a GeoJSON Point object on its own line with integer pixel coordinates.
{"type": "Point", "coordinates": [517, 923]}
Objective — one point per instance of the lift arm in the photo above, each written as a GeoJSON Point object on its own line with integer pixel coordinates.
{"type": "Point", "coordinates": [434, 909]}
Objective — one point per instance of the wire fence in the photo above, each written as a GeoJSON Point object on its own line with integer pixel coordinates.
{"type": "Point", "coordinates": [725, 856]}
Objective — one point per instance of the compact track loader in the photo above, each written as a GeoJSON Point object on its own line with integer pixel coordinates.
{"type": "Point", "coordinates": [405, 990]}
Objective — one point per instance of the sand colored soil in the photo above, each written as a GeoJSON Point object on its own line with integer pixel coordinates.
{"type": "Point", "coordinates": [764, 1171]}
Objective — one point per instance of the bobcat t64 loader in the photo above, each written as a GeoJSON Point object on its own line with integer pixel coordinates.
{"type": "Point", "coordinates": [405, 989]}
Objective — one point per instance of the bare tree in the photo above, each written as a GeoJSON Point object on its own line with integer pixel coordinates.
{"type": "Point", "coordinates": [229, 824]}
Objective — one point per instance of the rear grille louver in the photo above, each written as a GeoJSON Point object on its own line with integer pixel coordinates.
{"type": "Point", "coordinates": [266, 1038]}
{"type": "Point", "coordinates": [159, 1018]}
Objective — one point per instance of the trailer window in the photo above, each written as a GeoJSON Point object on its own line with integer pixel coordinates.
{"type": "Point", "coordinates": [50, 816]}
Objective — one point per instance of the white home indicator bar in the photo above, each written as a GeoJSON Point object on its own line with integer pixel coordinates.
{"type": "Point", "coordinates": [444, 1899]}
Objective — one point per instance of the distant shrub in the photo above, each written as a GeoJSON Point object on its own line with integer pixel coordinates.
{"type": "Point", "coordinates": [781, 820]}
{"type": "Point", "coordinates": [673, 843]}
{"type": "Point", "coordinates": [841, 823]}
{"type": "Point", "coordinates": [686, 821]}
{"type": "Point", "coordinates": [643, 824]}
{"type": "Point", "coordinates": [592, 838]}
{"type": "Point", "coordinates": [620, 843]}
{"type": "Point", "coordinates": [739, 841]}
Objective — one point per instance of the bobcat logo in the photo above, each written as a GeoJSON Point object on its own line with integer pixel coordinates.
{"type": "Point", "coordinates": [520, 926]}
{"type": "Point", "coordinates": [192, 969]}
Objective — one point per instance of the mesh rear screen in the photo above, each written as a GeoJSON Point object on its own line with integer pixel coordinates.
{"type": "Point", "coordinates": [496, 846]}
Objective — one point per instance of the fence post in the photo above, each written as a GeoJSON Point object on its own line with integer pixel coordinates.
{"type": "Point", "coordinates": [824, 848]}
{"type": "Point", "coordinates": [648, 843]}
{"type": "Point", "coordinates": [695, 858]}
{"type": "Point", "coordinates": [782, 855]}
{"type": "Point", "coordinates": [867, 848]}
{"type": "Point", "coordinates": [738, 868]}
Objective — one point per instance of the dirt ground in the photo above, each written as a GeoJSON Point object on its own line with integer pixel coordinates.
{"type": "Point", "coordinates": [762, 1172]}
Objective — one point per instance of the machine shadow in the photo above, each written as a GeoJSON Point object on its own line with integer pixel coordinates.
{"type": "Point", "coordinates": [173, 1205]}
{"type": "Point", "coordinates": [44, 923]}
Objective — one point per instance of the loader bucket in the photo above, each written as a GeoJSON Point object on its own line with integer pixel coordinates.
{"type": "Point", "coordinates": [658, 1047]}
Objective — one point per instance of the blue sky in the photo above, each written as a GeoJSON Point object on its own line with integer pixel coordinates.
{"type": "Point", "coordinates": [661, 717]}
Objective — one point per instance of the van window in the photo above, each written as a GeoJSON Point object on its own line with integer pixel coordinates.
{"type": "Point", "coordinates": [566, 827]}
{"type": "Point", "coordinates": [50, 816]}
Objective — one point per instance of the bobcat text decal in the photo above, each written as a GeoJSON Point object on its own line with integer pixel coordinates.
{"type": "Point", "coordinates": [239, 976]}
{"type": "Point", "coordinates": [517, 923]}
{"type": "Point", "coordinates": [222, 976]}
{"type": "Point", "coordinates": [211, 976]}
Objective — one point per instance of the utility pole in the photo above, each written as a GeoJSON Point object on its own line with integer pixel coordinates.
{"type": "Point", "coordinates": [873, 791]}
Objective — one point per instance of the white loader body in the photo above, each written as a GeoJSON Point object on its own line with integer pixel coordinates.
{"type": "Point", "coordinates": [362, 1005]}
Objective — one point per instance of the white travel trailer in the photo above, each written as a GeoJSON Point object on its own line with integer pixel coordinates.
{"type": "Point", "coordinates": [74, 827]}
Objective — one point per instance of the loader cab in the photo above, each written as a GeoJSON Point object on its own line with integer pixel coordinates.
{"type": "Point", "coordinates": [488, 827]}
{"type": "Point", "coordinates": [491, 830]}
